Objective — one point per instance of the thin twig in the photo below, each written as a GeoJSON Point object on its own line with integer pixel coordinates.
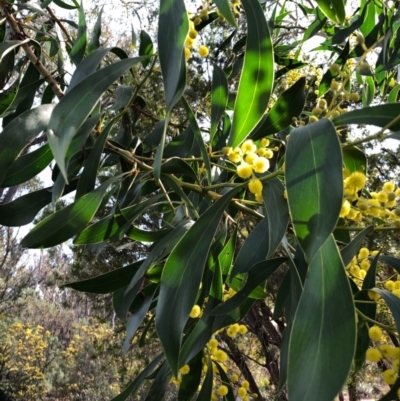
{"type": "Point", "coordinates": [44, 72]}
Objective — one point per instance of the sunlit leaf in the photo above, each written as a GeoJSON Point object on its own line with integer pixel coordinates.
{"type": "Point", "coordinates": [288, 106]}
{"type": "Point", "coordinates": [219, 98]}
{"type": "Point", "coordinates": [333, 9]}
{"type": "Point", "coordinates": [257, 76]}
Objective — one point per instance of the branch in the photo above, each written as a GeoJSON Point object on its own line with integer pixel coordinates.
{"type": "Point", "coordinates": [44, 72]}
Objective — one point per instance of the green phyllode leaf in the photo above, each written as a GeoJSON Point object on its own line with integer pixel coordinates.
{"type": "Point", "coordinates": [322, 340]}
{"type": "Point", "coordinates": [73, 109]}
{"type": "Point", "coordinates": [173, 26]}
{"type": "Point", "coordinates": [78, 50]}
{"type": "Point", "coordinates": [288, 106]}
{"type": "Point", "coordinates": [67, 222]}
{"type": "Point", "coordinates": [314, 183]}
{"type": "Point", "coordinates": [257, 76]}
{"type": "Point", "coordinates": [333, 9]}
{"type": "Point", "coordinates": [19, 133]}
{"type": "Point", "coordinates": [219, 98]}
{"type": "Point", "coordinates": [181, 279]}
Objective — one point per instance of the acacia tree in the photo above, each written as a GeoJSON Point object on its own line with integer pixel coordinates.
{"type": "Point", "coordinates": [233, 188]}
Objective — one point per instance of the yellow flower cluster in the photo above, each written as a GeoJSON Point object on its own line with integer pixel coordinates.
{"type": "Point", "coordinates": [384, 351]}
{"type": "Point", "coordinates": [359, 265]}
{"type": "Point", "coordinates": [190, 42]}
{"type": "Point", "coordinates": [252, 159]}
{"type": "Point", "coordinates": [381, 204]}
{"type": "Point", "coordinates": [24, 354]}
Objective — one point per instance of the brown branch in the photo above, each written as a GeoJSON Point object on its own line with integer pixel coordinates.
{"type": "Point", "coordinates": [44, 72]}
{"type": "Point", "coordinates": [60, 24]}
{"type": "Point", "coordinates": [237, 357]}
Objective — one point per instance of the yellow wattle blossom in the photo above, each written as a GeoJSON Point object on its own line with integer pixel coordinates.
{"type": "Point", "coordinates": [184, 370]}
{"type": "Point", "coordinates": [255, 186]}
{"type": "Point", "coordinates": [244, 170]}
{"type": "Point", "coordinates": [375, 333]}
{"type": "Point", "coordinates": [203, 51]}
{"type": "Point", "coordinates": [373, 355]}
{"type": "Point", "coordinates": [195, 312]}
{"type": "Point", "coordinates": [248, 146]}
{"type": "Point", "coordinates": [261, 165]}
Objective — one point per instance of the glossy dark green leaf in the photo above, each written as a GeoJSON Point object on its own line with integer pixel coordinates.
{"type": "Point", "coordinates": [19, 133]}
{"type": "Point", "coordinates": [390, 260]}
{"type": "Point", "coordinates": [321, 350]}
{"type": "Point", "coordinates": [315, 26]}
{"type": "Point", "coordinates": [146, 47]}
{"type": "Point", "coordinates": [64, 5]}
{"type": "Point", "coordinates": [257, 76]}
{"type": "Point", "coordinates": [190, 382]}
{"type": "Point", "coordinates": [288, 106]}
{"type": "Point", "coordinates": [123, 300]}
{"type": "Point", "coordinates": [135, 320]}
{"type": "Point", "coordinates": [199, 138]}
{"type": "Point", "coordinates": [23, 210]}
{"type": "Point", "coordinates": [159, 386]}
{"type": "Point", "coordinates": [134, 386]}
{"type": "Point", "coordinates": [225, 9]}
{"type": "Point", "coordinates": [333, 9]}
{"type": "Point", "coordinates": [178, 167]}
{"type": "Point", "coordinates": [94, 43]}
{"type": "Point", "coordinates": [344, 33]}
{"type": "Point", "coordinates": [393, 302]}
{"type": "Point", "coordinates": [257, 274]}
{"type": "Point", "coordinates": [108, 282]}
{"type": "Point", "coordinates": [354, 159]}
{"type": "Point", "coordinates": [113, 226]}
{"type": "Point", "coordinates": [173, 26]}
{"type": "Point", "coordinates": [219, 98]}
{"type": "Point", "coordinates": [350, 250]}
{"type": "Point", "coordinates": [180, 146]}
{"type": "Point", "coordinates": [73, 109]}
{"type": "Point", "coordinates": [161, 128]}
{"type": "Point", "coordinates": [225, 258]}
{"type": "Point", "coordinates": [181, 279]}
{"type": "Point", "coordinates": [88, 66]}
{"type": "Point", "coordinates": [161, 249]}
{"type": "Point", "coordinates": [138, 234]}
{"type": "Point", "coordinates": [87, 180]}
{"type": "Point", "coordinates": [314, 183]}
{"type": "Point", "coordinates": [380, 116]}
{"type": "Point", "coordinates": [28, 166]}
{"type": "Point", "coordinates": [268, 233]}
{"type": "Point", "coordinates": [8, 45]}
{"type": "Point", "coordinates": [207, 386]}
{"type": "Point", "coordinates": [78, 50]}
{"type": "Point", "coordinates": [67, 222]}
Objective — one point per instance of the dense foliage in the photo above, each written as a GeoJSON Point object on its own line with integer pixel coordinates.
{"type": "Point", "coordinates": [221, 166]}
